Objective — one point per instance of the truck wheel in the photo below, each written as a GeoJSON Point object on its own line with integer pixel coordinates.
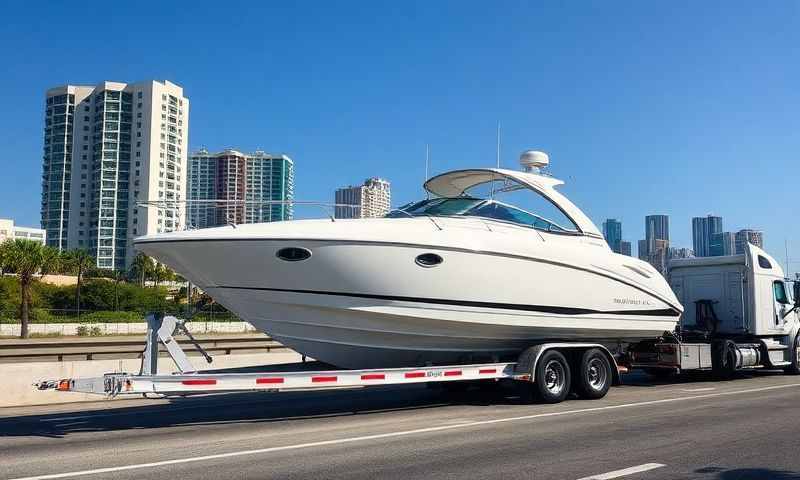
{"type": "Point", "coordinates": [794, 368]}
{"type": "Point", "coordinates": [552, 380]}
{"type": "Point", "coordinates": [723, 359]}
{"type": "Point", "coordinates": [593, 378]}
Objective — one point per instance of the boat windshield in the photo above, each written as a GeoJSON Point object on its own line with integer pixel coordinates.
{"type": "Point", "coordinates": [476, 207]}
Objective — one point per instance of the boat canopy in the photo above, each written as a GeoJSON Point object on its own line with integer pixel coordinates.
{"type": "Point", "coordinates": [456, 183]}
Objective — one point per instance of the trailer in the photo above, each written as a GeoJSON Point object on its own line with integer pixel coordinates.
{"type": "Point", "coordinates": [743, 318]}
{"type": "Point", "coordinates": [543, 372]}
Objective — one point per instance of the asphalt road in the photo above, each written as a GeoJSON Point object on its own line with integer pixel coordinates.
{"type": "Point", "coordinates": [742, 429]}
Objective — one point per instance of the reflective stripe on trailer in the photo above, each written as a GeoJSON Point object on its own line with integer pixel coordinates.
{"type": "Point", "coordinates": [121, 383]}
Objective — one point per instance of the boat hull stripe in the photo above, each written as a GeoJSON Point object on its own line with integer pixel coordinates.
{"type": "Point", "coordinates": [664, 312]}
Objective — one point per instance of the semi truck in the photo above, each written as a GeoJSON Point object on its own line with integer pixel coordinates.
{"type": "Point", "coordinates": [741, 313]}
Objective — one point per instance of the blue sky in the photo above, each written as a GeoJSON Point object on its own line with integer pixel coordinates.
{"type": "Point", "coordinates": [683, 108]}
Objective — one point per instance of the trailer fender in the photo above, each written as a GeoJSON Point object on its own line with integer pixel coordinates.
{"type": "Point", "coordinates": [529, 358]}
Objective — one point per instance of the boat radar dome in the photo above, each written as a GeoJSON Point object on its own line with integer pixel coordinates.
{"type": "Point", "coordinates": [533, 160]}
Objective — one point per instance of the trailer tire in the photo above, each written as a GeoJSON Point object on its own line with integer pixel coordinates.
{"type": "Point", "coordinates": [723, 359]}
{"type": "Point", "coordinates": [794, 368]}
{"type": "Point", "coordinates": [593, 378]}
{"type": "Point", "coordinates": [552, 380]}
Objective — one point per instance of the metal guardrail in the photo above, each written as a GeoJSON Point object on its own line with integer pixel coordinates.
{"type": "Point", "coordinates": [42, 350]}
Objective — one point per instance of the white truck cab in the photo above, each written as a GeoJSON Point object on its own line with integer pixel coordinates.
{"type": "Point", "coordinates": [740, 312]}
{"type": "Point", "coordinates": [749, 292]}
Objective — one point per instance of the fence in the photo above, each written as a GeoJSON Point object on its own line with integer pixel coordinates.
{"type": "Point", "coordinates": [40, 316]}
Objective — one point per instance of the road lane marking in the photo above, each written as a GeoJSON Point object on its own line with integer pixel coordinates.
{"type": "Point", "coordinates": [625, 471]}
{"type": "Point", "coordinates": [401, 433]}
{"type": "Point", "coordinates": [705, 389]}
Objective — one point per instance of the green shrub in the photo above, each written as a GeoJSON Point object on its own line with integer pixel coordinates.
{"type": "Point", "coordinates": [83, 330]}
{"type": "Point", "coordinates": [95, 331]}
{"type": "Point", "coordinates": [112, 317]}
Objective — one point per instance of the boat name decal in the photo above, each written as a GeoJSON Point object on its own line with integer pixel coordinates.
{"type": "Point", "coordinates": [632, 301]}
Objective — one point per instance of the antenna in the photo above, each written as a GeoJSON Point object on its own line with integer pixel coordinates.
{"type": "Point", "coordinates": [498, 156]}
{"type": "Point", "coordinates": [498, 144]}
{"type": "Point", "coordinates": [786, 246]}
{"type": "Point", "coordinates": [427, 163]}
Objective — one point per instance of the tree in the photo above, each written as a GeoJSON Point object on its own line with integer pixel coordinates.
{"type": "Point", "coordinates": [26, 258]}
{"type": "Point", "coordinates": [82, 261]}
{"type": "Point", "coordinates": [142, 266]}
{"type": "Point", "coordinates": [5, 248]}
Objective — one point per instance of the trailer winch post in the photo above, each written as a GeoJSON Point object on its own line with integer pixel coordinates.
{"type": "Point", "coordinates": [160, 328]}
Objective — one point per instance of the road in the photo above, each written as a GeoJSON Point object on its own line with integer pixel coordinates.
{"type": "Point", "coordinates": [693, 429]}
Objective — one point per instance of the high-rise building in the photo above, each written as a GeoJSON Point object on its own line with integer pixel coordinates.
{"type": "Point", "coordinates": [656, 227]}
{"type": "Point", "coordinates": [642, 250]}
{"type": "Point", "coordinates": [612, 231]}
{"type": "Point", "coordinates": [235, 187]}
{"type": "Point", "coordinates": [745, 236]}
{"type": "Point", "coordinates": [9, 231]}
{"type": "Point", "coordinates": [658, 255]}
{"type": "Point", "coordinates": [625, 248]}
{"type": "Point", "coordinates": [702, 230]}
{"type": "Point", "coordinates": [372, 199]}
{"type": "Point", "coordinates": [110, 149]}
{"type": "Point", "coordinates": [722, 243]}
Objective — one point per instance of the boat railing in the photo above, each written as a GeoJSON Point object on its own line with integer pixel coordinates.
{"type": "Point", "coordinates": [234, 210]}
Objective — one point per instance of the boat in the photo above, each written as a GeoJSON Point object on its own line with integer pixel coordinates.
{"type": "Point", "coordinates": [463, 275]}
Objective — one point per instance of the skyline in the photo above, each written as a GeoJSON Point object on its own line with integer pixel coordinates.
{"type": "Point", "coordinates": [624, 114]}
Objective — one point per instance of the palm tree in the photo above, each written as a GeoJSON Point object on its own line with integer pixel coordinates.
{"type": "Point", "coordinates": [5, 246]}
{"type": "Point", "coordinates": [81, 260]}
{"type": "Point", "coordinates": [26, 258]}
{"type": "Point", "coordinates": [142, 265]}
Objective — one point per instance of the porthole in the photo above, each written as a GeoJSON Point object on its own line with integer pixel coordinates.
{"type": "Point", "coordinates": [428, 260]}
{"type": "Point", "coordinates": [293, 254]}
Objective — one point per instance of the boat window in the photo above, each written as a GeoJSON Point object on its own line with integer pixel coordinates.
{"type": "Point", "coordinates": [437, 207]}
{"type": "Point", "coordinates": [507, 213]}
{"type": "Point", "coordinates": [503, 199]}
{"type": "Point", "coordinates": [508, 192]}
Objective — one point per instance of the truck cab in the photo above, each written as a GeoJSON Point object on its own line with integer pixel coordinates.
{"type": "Point", "coordinates": [740, 312]}
{"type": "Point", "coordinates": [749, 293]}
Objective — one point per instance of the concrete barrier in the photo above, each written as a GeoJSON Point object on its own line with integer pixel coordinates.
{"type": "Point", "coordinates": [18, 379]}
{"type": "Point", "coordinates": [68, 329]}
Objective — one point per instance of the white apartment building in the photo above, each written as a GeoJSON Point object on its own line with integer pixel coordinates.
{"type": "Point", "coordinates": [372, 199]}
{"type": "Point", "coordinates": [107, 149]}
{"type": "Point", "coordinates": [10, 231]}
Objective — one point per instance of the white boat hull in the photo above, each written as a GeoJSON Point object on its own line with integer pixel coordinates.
{"type": "Point", "coordinates": [366, 303]}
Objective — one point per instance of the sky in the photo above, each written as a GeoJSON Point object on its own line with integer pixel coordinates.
{"type": "Point", "coordinates": [685, 108]}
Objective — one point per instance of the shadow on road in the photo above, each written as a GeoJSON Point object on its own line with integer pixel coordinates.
{"type": "Point", "coordinates": [250, 407]}
{"type": "Point", "coordinates": [749, 474]}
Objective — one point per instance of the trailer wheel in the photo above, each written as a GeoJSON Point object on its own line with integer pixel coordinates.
{"type": "Point", "coordinates": [723, 359]}
{"type": "Point", "coordinates": [593, 378]}
{"type": "Point", "coordinates": [794, 368]}
{"type": "Point", "coordinates": [552, 380]}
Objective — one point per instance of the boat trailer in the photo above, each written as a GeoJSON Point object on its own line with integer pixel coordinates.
{"type": "Point", "coordinates": [188, 381]}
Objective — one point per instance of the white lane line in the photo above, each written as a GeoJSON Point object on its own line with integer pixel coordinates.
{"type": "Point", "coordinates": [401, 433]}
{"type": "Point", "coordinates": [704, 389]}
{"type": "Point", "coordinates": [625, 471]}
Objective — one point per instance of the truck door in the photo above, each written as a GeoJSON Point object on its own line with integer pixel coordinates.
{"type": "Point", "coordinates": [781, 302]}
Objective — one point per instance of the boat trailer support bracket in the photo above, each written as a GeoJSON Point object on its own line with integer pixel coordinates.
{"type": "Point", "coordinates": [160, 328]}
